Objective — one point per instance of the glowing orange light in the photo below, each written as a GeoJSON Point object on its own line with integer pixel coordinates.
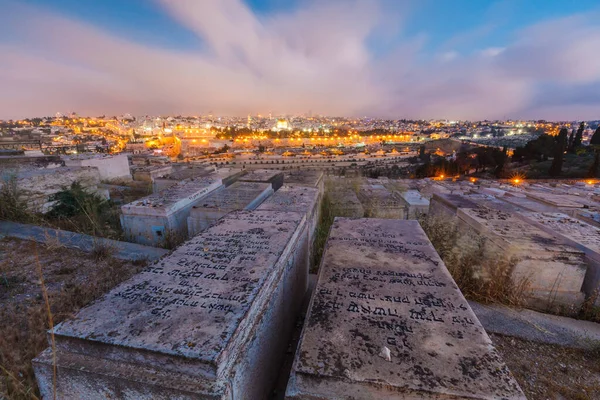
{"type": "Point", "coordinates": [590, 182]}
{"type": "Point", "coordinates": [517, 180]}
{"type": "Point", "coordinates": [442, 176]}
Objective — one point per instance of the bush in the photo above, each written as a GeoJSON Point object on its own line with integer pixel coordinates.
{"type": "Point", "coordinates": [12, 205]}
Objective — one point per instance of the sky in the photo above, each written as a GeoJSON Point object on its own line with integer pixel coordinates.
{"type": "Point", "coordinates": [420, 59]}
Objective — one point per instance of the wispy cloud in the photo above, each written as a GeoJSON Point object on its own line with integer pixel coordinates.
{"type": "Point", "coordinates": [317, 57]}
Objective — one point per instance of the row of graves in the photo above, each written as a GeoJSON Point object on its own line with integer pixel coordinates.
{"type": "Point", "coordinates": [549, 229]}
{"type": "Point", "coordinates": [376, 199]}
{"type": "Point", "coordinates": [213, 319]}
{"type": "Point", "coordinates": [183, 206]}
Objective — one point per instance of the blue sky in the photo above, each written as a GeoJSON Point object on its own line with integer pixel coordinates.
{"type": "Point", "coordinates": [429, 58]}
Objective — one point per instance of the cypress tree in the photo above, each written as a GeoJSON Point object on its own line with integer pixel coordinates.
{"type": "Point", "coordinates": [596, 137]}
{"type": "Point", "coordinates": [578, 136]}
{"type": "Point", "coordinates": [557, 163]}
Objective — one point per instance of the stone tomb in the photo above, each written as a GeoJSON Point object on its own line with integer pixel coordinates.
{"type": "Point", "coordinates": [239, 196]}
{"type": "Point", "coordinates": [416, 204]}
{"type": "Point", "coordinates": [273, 177]}
{"type": "Point", "coordinates": [211, 320]}
{"type": "Point", "coordinates": [387, 321]}
{"type": "Point", "coordinates": [153, 220]}
{"type": "Point", "coordinates": [578, 234]}
{"type": "Point", "coordinates": [379, 202]}
{"type": "Point", "coordinates": [308, 177]}
{"type": "Point", "coordinates": [447, 205]}
{"type": "Point", "coordinates": [345, 203]}
{"type": "Point", "coordinates": [555, 270]}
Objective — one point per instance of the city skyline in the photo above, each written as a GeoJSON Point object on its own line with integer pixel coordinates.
{"type": "Point", "coordinates": [489, 60]}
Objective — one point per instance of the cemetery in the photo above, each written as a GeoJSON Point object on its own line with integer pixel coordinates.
{"type": "Point", "coordinates": [233, 312]}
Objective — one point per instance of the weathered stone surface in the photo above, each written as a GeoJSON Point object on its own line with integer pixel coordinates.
{"type": "Point", "coordinates": [345, 203]}
{"type": "Point", "coordinates": [308, 177]}
{"type": "Point", "coordinates": [271, 176]}
{"type": "Point", "coordinates": [388, 322]}
{"type": "Point", "coordinates": [555, 200]}
{"type": "Point", "coordinates": [416, 204]}
{"type": "Point", "coordinates": [303, 200]}
{"type": "Point", "coordinates": [446, 205]}
{"type": "Point", "coordinates": [555, 270]}
{"type": "Point", "coordinates": [578, 234]}
{"type": "Point", "coordinates": [211, 320]}
{"type": "Point", "coordinates": [238, 196]}
{"type": "Point", "coordinates": [530, 204]}
{"type": "Point", "coordinates": [379, 202]}
{"type": "Point", "coordinates": [150, 220]}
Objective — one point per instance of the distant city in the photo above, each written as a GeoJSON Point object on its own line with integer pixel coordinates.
{"type": "Point", "coordinates": [197, 137]}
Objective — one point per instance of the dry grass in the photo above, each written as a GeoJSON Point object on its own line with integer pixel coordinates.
{"type": "Point", "coordinates": [482, 273]}
{"type": "Point", "coordinates": [41, 294]}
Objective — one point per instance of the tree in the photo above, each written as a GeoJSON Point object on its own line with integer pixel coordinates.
{"type": "Point", "coordinates": [595, 144]}
{"type": "Point", "coordinates": [578, 136]}
{"type": "Point", "coordinates": [557, 163]}
{"type": "Point", "coordinates": [595, 140]}
{"type": "Point", "coordinates": [570, 147]}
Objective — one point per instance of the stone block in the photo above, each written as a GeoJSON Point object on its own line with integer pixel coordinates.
{"type": "Point", "coordinates": [555, 270]}
{"type": "Point", "coordinates": [211, 320]}
{"type": "Point", "coordinates": [387, 321]}
{"type": "Point", "coordinates": [238, 196]}
{"type": "Point", "coordinates": [345, 203]}
{"type": "Point", "coordinates": [273, 177]}
{"type": "Point", "coordinates": [416, 204]}
{"type": "Point", "coordinates": [379, 202]}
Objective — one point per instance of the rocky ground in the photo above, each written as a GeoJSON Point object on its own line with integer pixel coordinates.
{"type": "Point", "coordinates": [549, 371]}
{"type": "Point", "coordinates": [72, 279]}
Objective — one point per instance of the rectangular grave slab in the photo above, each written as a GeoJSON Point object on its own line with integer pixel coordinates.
{"type": "Point", "coordinates": [578, 234]}
{"type": "Point", "coordinates": [556, 270]}
{"type": "Point", "coordinates": [211, 320]}
{"type": "Point", "coordinates": [379, 202]}
{"type": "Point", "coordinates": [446, 205]}
{"type": "Point", "coordinates": [153, 220]}
{"type": "Point", "coordinates": [387, 321]}
{"type": "Point", "coordinates": [308, 177]}
{"type": "Point", "coordinates": [555, 200]}
{"type": "Point", "coordinates": [271, 176]}
{"type": "Point", "coordinates": [416, 204]}
{"type": "Point", "coordinates": [304, 200]}
{"type": "Point", "coordinates": [239, 196]}
{"type": "Point", "coordinates": [345, 203]}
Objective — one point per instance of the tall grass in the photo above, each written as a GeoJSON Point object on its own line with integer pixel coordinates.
{"type": "Point", "coordinates": [481, 272]}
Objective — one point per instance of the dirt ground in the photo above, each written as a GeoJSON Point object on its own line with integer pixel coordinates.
{"type": "Point", "coordinates": [72, 279]}
{"type": "Point", "coordinates": [551, 372]}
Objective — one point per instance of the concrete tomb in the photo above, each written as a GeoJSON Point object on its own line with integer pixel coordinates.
{"type": "Point", "coordinates": [379, 202]}
{"type": "Point", "coordinates": [273, 177]}
{"type": "Point", "coordinates": [416, 204]}
{"type": "Point", "coordinates": [239, 196]}
{"type": "Point", "coordinates": [162, 216]}
{"type": "Point", "coordinates": [387, 321]}
{"type": "Point", "coordinates": [211, 320]}
{"type": "Point", "coordinates": [555, 270]}
{"type": "Point", "coordinates": [109, 166]}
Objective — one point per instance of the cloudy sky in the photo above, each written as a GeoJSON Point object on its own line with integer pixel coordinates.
{"type": "Point", "coordinates": [459, 59]}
